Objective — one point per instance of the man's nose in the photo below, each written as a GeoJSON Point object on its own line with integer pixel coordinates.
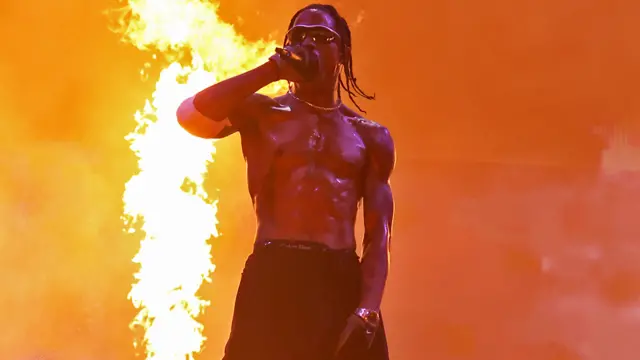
{"type": "Point", "coordinates": [309, 43]}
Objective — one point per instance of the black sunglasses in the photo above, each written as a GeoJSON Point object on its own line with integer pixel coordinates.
{"type": "Point", "coordinates": [318, 34]}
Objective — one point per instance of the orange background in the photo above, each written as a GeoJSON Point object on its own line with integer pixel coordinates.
{"type": "Point", "coordinates": [511, 240]}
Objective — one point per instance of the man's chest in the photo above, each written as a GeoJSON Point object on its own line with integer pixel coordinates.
{"type": "Point", "coordinates": [329, 142]}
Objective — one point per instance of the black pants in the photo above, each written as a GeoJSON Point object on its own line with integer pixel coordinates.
{"type": "Point", "coordinates": [293, 302]}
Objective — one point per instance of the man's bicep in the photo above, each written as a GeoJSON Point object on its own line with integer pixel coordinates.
{"type": "Point", "coordinates": [378, 202]}
{"type": "Point", "coordinates": [378, 207]}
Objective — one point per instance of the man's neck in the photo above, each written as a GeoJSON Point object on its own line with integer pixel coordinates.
{"type": "Point", "coordinates": [316, 96]}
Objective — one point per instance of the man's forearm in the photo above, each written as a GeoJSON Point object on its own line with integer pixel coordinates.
{"type": "Point", "coordinates": [219, 100]}
{"type": "Point", "coordinates": [375, 268]}
{"type": "Point", "coordinates": [208, 113]}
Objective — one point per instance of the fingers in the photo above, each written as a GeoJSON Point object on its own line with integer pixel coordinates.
{"type": "Point", "coordinates": [343, 339]}
{"type": "Point", "coordinates": [369, 338]}
{"type": "Point", "coordinates": [344, 336]}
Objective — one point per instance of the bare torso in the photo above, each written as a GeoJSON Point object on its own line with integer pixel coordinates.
{"type": "Point", "coordinates": [306, 170]}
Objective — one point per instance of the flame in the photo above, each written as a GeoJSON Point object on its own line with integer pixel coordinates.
{"type": "Point", "coordinates": [166, 200]}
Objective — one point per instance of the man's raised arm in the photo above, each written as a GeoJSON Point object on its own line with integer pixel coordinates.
{"type": "Point", "coordinates": [227, 106]}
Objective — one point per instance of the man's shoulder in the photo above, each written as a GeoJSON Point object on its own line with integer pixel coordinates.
{"type": "Point", "coordinates": [360, 122]}
{"type": "Point", "coordinates": [378, 142]}
{"type": "Point", "coordinates": [373, 133]}
{"type": "Point", "coordinates": [365, 124]}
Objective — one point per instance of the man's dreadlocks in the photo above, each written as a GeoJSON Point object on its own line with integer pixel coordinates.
{"type": "Point", "coordinates": [349, 83]}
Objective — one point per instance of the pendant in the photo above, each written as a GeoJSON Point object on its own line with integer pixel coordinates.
{"type": "Point", "coordinates": [315, 140]}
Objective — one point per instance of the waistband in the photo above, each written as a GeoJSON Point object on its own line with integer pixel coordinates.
{"type": "Point", "coordinates": [306, 246]}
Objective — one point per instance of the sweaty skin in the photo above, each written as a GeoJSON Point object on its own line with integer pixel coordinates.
{"type": "Point", "coordinates": [308, 169]}
{"type": "Point", "coordinates": [307, 172]}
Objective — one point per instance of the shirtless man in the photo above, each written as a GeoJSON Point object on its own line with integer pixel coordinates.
{"type": "Point", "coordinates": [304, 293]}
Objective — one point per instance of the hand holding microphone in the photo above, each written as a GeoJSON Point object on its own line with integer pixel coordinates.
{"type": "Point", "coordinates": [295, 64]}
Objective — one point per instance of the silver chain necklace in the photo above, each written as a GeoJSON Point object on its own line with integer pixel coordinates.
{"type": "Point", "coordinates": [316, 106]}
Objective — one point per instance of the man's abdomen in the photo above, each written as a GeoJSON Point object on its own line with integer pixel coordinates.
{"type": "Point", "coordinates": [311, 205]}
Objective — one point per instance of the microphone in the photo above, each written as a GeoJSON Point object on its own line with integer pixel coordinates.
{"type": "Point", "coordinates": [306, 64]}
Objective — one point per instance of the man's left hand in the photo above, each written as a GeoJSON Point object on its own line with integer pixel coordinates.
{"type": "Point", "coordinates": [354, 325]}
